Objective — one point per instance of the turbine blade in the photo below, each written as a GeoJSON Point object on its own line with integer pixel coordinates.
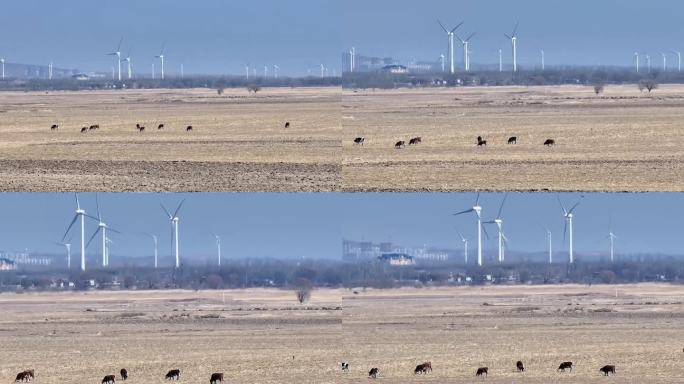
{"type": "Point", "coordinates": [456, 27]}
{"type": "Point", "coordinates": [561, 204]}
{"type": "Point", "coordinates": [69, 227]}
{"type": "Point", "coordinates": [477, 199]}
{"type": "Point", "coordinates": [508, 37]}
{"type": "Point", "coordinates": [175, 214]}
{"type": "Point", "coordinates": [573, 207]}
{"type": "Point", "coordinates": [471, 36]}
{"type": "Point", "coordinates": [93, 236]}
{"type": "Point", "coordinates": [484, 229]}
{"type": "Point", "coordinates": [167, 212]}
{"type": "Point", "coordinates": [498, 215]}
{"type": "Point", "coordinates": [118, 49]}
{"type": "Point", "coordinates": [78, 205]}
{"type": "Point", "coordinates": [113, 230]}
{"type": "Point", "coordinates": [462, 212]}
{"type": "Point", "coordinates": [515, 30]}
{"type": "Point", "coordinates": [443, 27]}
{"type": "Point", "coordinates": [565, 230]}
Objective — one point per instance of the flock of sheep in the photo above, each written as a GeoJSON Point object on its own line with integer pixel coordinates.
{"type": "Point", "coordinates": [481, 142]}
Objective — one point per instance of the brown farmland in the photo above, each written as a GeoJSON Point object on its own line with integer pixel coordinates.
{"type": "Point", "coordinates": [238, 143]}
{"type": "Point", "coordinates": [252, 335]}
{"type": "Point", "coordinates": [623, 140]}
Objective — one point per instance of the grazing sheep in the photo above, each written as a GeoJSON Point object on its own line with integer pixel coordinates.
{"type": "Point", "coordinates": [373, 373]}
{"type": "Point", "coordinates": [287, 124]}
{"type": "Point", "coordinates": [109, 379]}
{"type": "Point", "coordinates": [606, 369]}
{"type": "Point", "coordinates": [520, 366]}
{"type": "Point", "coordinates": [216, 378]}
{"type": "Point", "coordinates": [481, 142]}
{"type": "Point", "coordinates": [359, 141]}
{"type": "Point", "coordinates": [550, 142]}
{"type": "Point", "coordinates": [173, 374]}
{"type": "Point", "coordinates": [54, 127]}
{"type": "Point", "coordinates": [399, 144]}
{"type": "Point", "coordinates": [483, 371]}
{"type": "Point", "coordinates": [189, 128]}
{"type": "Point", "coordinates": [84, 130]}
{"type": "Point", "coordinates": [160, 126]}
{"type": "Point", "coordinates": [345, 366]}
{"type": "Point", "coordinates": [415, 140]}
{"type": "Point", "coordinates": [565, 365]}
{"type": "Point", "coordinates": [513, 140]}
{"type": "Point", "coordinates": [124, 374]}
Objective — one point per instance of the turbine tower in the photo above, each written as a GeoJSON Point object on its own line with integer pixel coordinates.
{"type": "Point", "coordinates": [441, 59]}
{"type": "Point", "coordinates": [127, 60]}
{"type": "Point", "coordinates": [275, 71]}
{"type": "Point", "coordinates": [478, 212]}
{"type": "Point", "coordinates": [465, 248]}
{"type": "Point", "coordinates": [160, 56]}
{"type": "Point", "coordinates": [67, 247]}
{"type": "Point", "coordinates": [450, 47]}
{"type": "Point", "coordinates": [154, 239]}
{"type": "Point", "coordinates": [549, 238]}
{"type": "Point", "coordinates": [80, 213]}
{"type": "Point", "coordinates": [174, 229]}
{"type": "Point", "coordinates": [466, 52]}
{"type": "Point", "coordinates": [101, 228]}
{"type": "Point", "coordinates": [117, 53]}
{"type": "Point", "coordinates": [543, 60]}
{"type": "Point", "coordinates": [2, 61]}
{"type": "Point", "coordinates": [679, 60]}
{"type": "Point", "coordinates": [499, 223]}
{"type": "Point", "coordinates": [218, 247]}
{"type": "Point", "coordinates": [500, 60]}
{"type": "Point", "coordinates": [568, 225]}
{"type": "Point", "coordinates": [611, 236]}
{"type": "Point", "coordinates": [664, 61]}
{"type": "Point", "coordinates": [648, 63]}
{"type": "Point", "coordinates": [514, 44]}
{"type": "Point", "coordinates": [636, 59]}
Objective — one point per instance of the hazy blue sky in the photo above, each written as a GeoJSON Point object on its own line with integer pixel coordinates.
{"type": "Point", "coordinates": [571, 32]}
{"type": "Point", "coordinates": [208, 36]}
{"type": "Point", "coordinates": [312, 225]}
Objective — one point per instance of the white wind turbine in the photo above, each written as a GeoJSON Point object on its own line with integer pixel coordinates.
{"type": "Point", "coordinates": [127, 60]}
{"type": "Point", "coordinates": [478, 212]}
{"type": "Point", "coordinates": [450, 47]}
{"type": "Point", "coordinates": [636, 60]}
{"type": "Point", "coordinates": [67, 247]}
{"type": "Point", "coordinates": [648, 63]}
{"type": "Point", "coordinates": [156, 258]}
{"type": "Point", "coordinates": [499, 223]}
{"type": "Point", "coordinates": [2, 61]}
{"type": "Point", "coordinates": [465, 248]}
{"type": "Point", "coordinates": [611, 236]}
{"type": "Point", "coordinates": [514, 44]}
{"type": "Point", "coordinates": [679, 60]}
{"type": "Point", "coordinates": [442, 61]}
{"type": "Point", "coordinates": [275, 71]}
{"type": "Point", "coordinates": [101, 228]}
{"type": "Point", "coordinates": [218, 247]}
{"type": "Point", "coordinates": [466, 52]}
{"type": "Point", "coordinates": [174, 229]}
{"type": "Point", "coordinates": [80, 213]}
{"type": "Point", "coordinates": [543, 60]}
{"type": "Point", "coordinates": [160, 56]}
{"type": "Point", "coordinates": [500, 60]}
{"type": "Point", "coordinates": [549, 237]}
{"type": "Point", "coordinates": [664, 61]}
{"type": "Point", "coordinates": [567, 214]}
{"type": "Point", "coordinates": [117, 53]}
{"type": "Point", "coordinates": [107, 242]}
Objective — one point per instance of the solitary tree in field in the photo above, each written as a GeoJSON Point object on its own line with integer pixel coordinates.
{"type": "Point", "coordinates": [253, 89]}
{"type": "Point", "coordinates": [598, 88]}
{"type": "Point", "coordinates": [648, 85]}
{"type": "Point", "coordinates": [303, 289]}
{"type": "Point", "coordinates": [220, 90]}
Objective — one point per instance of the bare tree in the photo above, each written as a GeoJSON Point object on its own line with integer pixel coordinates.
{"type": "Point", "coordinates": [599, 87]}
{"type": "Point", "coordinates": [303, 289]}
{"type": "Point", "coordinates": [648, 85]}
{"type": "Point", "coordinates": [253, 89]}
{"type": "Point", "coordinates": [220, 91]}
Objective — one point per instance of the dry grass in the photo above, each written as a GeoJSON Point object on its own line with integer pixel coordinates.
{"type": "Point", "coordinates": [251, 335]}
{"type": "Point", "coordinates": [620, 141]}
{"type": "Point", "coordinates": [542, 326]}
{"type": "Point", "coordinates": [238, 141]}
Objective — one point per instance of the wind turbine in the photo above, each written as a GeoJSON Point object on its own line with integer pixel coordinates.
{"type": "Point", "coordinates": [450, 50]}
{"type": "Point", "coordinates": [664, 61]}
{"type": "Point", "coordinates": [478, 212]}
{"type": "Point", "coordinates": [154, 239]}
{"type": "Point", "coordinates": [465, 248]}
{"type": "Point", "coordinates": [174, 229]}
{"type": "Point", "coordinates": [441, 59]}
{"type": "Point", "coordinates": [275, 71]}
{"type": "Point", "coordinates": [80, 213]}
{"type": "Point", "coordinates": [514, 44]}
{"type": "Point", "coordinates": [107, 242]}
{"type": "Point", "coordinates": [218, 247]}
{"type": "Point", "coordinates": [160, 56]}
{"type": "Point", "coordinates": [499, 223]}
{"type": "Point", "coordinates": [500, 60]}
{"type": "Point", "coordinates": [2, 61]}
{"type": "Point", "coordinates": [679, 60]}
{"type": "Point", "coordinates": [466, 52]}
{"type": "Point", "coordinates": [117, 53]}
{"type": "Point", "coordinates": [636, 59]}
{"type": "Point", "coordinates": [568, 224]}
{"type": "Point", "coordinates": [543, 60]}
{"type": "Point", "coordinates": [127, 60]}
{"type": "Point", "coordinates": [648, 62]}
{"type": "Point", "coordinates": [612, 238]}
{"type": "Point", "coordinates": [67, 246]}
{"type": "Point", "coordinates": [101, 227]}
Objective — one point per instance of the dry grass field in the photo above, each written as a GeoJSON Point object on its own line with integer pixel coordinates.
{"type": "Point", "coordinates": [623, 140]}
{"type": "Point", "coordinates": [238, 142]}
{"type": "Point", "coordinates": [459, 330]}
{"type": "Point", "coordinates": [251, 335]}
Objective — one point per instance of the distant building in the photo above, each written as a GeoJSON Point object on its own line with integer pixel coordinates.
{"type": "Point", "coordinates": [398, 259]}
{"type": "Point", "coordinates": [395, 69]}
{"type": "Point", "coordinates": [80, 76]}
{"type": "Point", "coordinates": [367, 250]}
{"type": "Point", "coordinates": [7, 265]}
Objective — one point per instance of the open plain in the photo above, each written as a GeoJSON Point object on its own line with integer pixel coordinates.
{"type": "Point", "coordinates": [622, 140]}
{"type": "Point", "coordinates": [252, 335]}
{"type": "Point", "coordinates": [238, 142]}
{"type": "Point", "coordinates": [461, 329]}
